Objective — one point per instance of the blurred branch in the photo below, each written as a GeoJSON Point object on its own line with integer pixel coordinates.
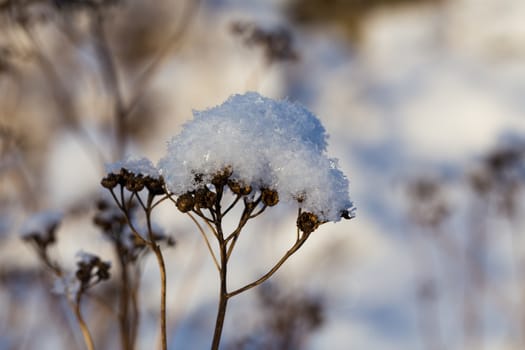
{"type": "Point", "coordinates": [111, 77]}
{"type": "Point", "coordinates": [171, 44]}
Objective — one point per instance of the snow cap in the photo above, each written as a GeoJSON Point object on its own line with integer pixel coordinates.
{"type": "Point", "coordinates": [267, 144]}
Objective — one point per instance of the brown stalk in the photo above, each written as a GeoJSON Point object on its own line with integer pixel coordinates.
{"type": "Point", "coordinates": [162, 269]}
{"type": "Point", "coordinates": [150, 242]}
{"type": "Point", "coordinates": [88, 340]}
{"type": "Point", "coordinates": [226, 246]}
{"type": "Point", "coordinates": [124, 302]}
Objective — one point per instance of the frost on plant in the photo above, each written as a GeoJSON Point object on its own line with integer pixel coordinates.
{"type": "Point", "coordinates": [266, 144]}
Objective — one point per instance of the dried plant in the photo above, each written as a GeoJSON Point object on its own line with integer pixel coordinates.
{"type": "Point", "coordinates": [251, 151]}
{"type": "Point", "coordinates": [40, 232]}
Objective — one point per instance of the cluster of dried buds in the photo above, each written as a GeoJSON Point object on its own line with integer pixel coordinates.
{"type": "Point", "coordinates": [204, 198]}
{"type": "Point", "coordinates": [43, 238]}
{"type": "Point", "coordinates": [43, 235]}
{"type": "Point", "coordinates": [133, 182]}
{"type": "Point", "coordinates": [91, 270]}
{"type": "Point", "coordinates": [114, 225]}
{"type": "Point", "coordinates": [308, 222]}
{"type": "Point", "coordinates": [108, 218]}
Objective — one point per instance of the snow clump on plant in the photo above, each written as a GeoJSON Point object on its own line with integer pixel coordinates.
{"type": "Point", "coordinates": [264, 144]}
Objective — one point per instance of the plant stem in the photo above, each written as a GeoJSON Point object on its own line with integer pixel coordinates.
{"type": "Point", "coordinates": [124, 302]}
{"type": "Point", "coordinates": [223, 298]}
{"type": "Point", "coordinates": [223, 271]}
{"type": "Point", "coordinates": [208, 245]}
{"type": "Point", "coordinates": [274, 269]}
{"type": "Point", "coordinates": [83, 327]}
{"type": "Point", "coordinates": [162, 269]}
{"type": "Point", "coordinates": [134, 308]}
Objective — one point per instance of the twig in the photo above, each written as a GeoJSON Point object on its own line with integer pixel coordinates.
{"type": "Point", "coordinates": [223, 293]}
{"type": "Point", "coordinates": [274, 269]}
{"type": "Point", "coordinates": [162, 268]}
{"type": "Point", "coordinates": [111, 77]}
{"type": "Point", "coordinates": [232, 205]}
{"type": "Point", "coordinates": [124, 300]}
{"type": "Point", "coordinates": [206, 241]}
{"type": "Point", "coordinates": [88, 340]}
{"type": "Point", "coordinates": [172, 42]}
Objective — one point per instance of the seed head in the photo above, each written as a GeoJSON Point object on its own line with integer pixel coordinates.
{"type": "Point", "coordinates": [185, 202]}
{"type": "Point", "coordinates": [103, 270]}
{"type": "Point", "coordinates": [83, 273]}
{"type": "Point", "coordinates": [204, 198]}
{"type": "Point", "coordinates": [221, 178]}
{"type": "Point", "coordinates": [155, 186]}
{"type": "Point", "coordinates": [135, 183]}
{"type": "Point", "coordinates": [308, 222]}
{"type": "Point", "coordinates": [270, 197]}
{"type": "Point", "coordinates": [124, 176]}
{"type": "Point", "coordinates": [110, 181]}
{"type": "Point", "coordinates": [239, 188]}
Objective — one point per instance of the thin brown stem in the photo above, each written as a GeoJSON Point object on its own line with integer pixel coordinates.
{"type": "Point", "coordinates": [199, 213]}
{"type": "Point", "coordinates": [111, 78]}
{"type": "Point", "coordinates": [134, 230]}
{"type": "Point", "coordinates": [259, 212]}
{"type": "Point", "coordinates": [153, 66]}
{"type": "Point", "coordinates": [232, 245]}
{"type": "Point", "coordinates": [223, 292]}
{"type": "Point", "coordinates": [124, 301]}
{"type": "Point", "coordinates": [248, 209]}
{"type": "Point", "coordinates": [274, 269]}
{"type": "Point", "coordinates": [232, 205]}
{"type": "Point", "coordinates": [61, 95]}
{"type": "Point", "coordinates": [162, 268]}
{"type": "Point", "coordinates": [88, 340]}
{"type": "Point", "coordinates": [135, 308]}
{"type": "Point", "coordinates": [208, 245]}
{"type": "Point", "coordinates": [159, 201]}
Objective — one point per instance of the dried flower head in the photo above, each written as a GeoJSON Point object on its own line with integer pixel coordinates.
{"type": "Point", "coordinates": [269, 197]}
{"type": "Point", "coordinates": [185, 202]}
{"type": "Point", "coordinates": [91, 270]}
{"type": "Point", "coordinates": [239, 188]}
{"type": "Point", "coordinates": [204, 198]}
{"type": "Point", "coordinates": [135, 183]}
{"type": "Point", "coordinates": [110, 181]}
{"type": "Point", "coordinates": [308, 222]}
{"type": "Point", "coordinates": [134, 174]}
{"type": "Point", "coordinates": [155, 186]}
{"type": "Point", "coordinates": [41, 228]}
{"type": "Point", "coordinates": [221, 178]}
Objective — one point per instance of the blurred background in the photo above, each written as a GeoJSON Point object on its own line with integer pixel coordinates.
{"type": "Point", "coordinates": [424, 101]}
